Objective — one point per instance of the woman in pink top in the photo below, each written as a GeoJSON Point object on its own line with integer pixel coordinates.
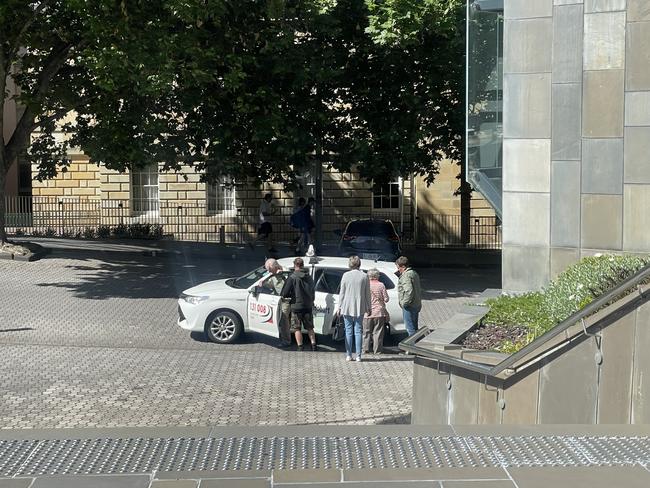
{"type": "Point", "coordinates": [373, 322]}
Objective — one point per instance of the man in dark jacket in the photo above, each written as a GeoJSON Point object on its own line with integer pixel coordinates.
{"type": "Point", "coordinates": [299, 289]}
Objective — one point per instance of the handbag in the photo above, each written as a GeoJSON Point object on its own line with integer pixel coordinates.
{"type": "Point", "coordinates": [338, 329]}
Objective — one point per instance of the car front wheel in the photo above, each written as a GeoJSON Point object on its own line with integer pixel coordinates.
{"type": "Point", "coordinates": [223, 327]}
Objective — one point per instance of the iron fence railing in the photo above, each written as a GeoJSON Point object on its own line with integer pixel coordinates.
{"type": "Point", "coordinates": [194, 221]}
{"type": "Point", "coordinates": [479, 232]}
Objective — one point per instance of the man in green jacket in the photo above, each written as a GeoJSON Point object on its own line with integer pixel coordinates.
{"type": "Point", "coordinates": [409, 294]}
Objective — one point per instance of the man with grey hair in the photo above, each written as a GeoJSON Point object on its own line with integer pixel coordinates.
{"type": "Point", "coordinates": [275, 283]}
{"type": "Point", "coordinates": [354, 303]}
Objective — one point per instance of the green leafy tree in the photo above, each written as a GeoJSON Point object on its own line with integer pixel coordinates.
{"type": "Point", "coordinates": [80, 55]}
{"type": "Point", "coordinates": [247, 89]}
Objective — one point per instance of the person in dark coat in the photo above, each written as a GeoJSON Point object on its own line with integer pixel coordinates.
{"type": "Point", "coordinates": [302, 220]}
{"type": "Point", "coordinates": [299, 289]}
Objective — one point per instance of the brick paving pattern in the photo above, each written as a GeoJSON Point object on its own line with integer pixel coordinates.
{"type": "Point", "coordinates": [89, 339]}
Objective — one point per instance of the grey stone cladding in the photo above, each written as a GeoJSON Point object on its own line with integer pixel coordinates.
{"type": "Point", "coordinates": [576, 166]}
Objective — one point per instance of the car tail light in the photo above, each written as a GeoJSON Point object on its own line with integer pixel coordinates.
{"type": "Point", "coordinates": [393, 238]}
{"type": "Point", "coordinates": [349, 238]}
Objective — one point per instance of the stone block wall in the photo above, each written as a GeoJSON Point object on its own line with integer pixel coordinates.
{"type": "Point", "coordinates": [576, 170]}
{"type": "Point", "coordinates": [345, 196]}
{"type": "Point", "coordinates": [81, 180]}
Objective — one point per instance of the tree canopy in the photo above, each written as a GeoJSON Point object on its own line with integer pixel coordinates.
{"type": "Point", "coordinates": [243, 88]}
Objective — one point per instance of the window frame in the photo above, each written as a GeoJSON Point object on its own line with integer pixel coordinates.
{"type": "Point", "coordinates": [221, 190]}
{"type": "Point", "coordinates": [399, 195]}
{"type": "Point", "coordinates": [141, 208]}
{"type": "Point", "coordinates": [323, 270]}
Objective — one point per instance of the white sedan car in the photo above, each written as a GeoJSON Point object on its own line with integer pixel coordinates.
{"type": "Point", "coordinates": [224, 309]}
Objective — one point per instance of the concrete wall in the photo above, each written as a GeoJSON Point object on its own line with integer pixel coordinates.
{"type": "Point", "coordinates": [576, 169]}
{"type": "Point", "coordinates": [581, 383]}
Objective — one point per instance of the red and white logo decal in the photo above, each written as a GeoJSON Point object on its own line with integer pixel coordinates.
{"type": "Point", "coordinates": [264, 312]}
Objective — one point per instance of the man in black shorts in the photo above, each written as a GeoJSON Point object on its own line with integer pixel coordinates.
{"type": "Point", "coordinates": [299, 289]}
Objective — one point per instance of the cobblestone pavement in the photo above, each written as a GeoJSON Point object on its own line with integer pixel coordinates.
{"type": "Point", "coordinates": [89, 339]}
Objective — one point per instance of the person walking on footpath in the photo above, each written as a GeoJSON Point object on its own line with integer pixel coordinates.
{"type": "Point", "coordinates": [409, 294]}
{"type": "Point", "coordinates": [265, 229]}
{"type": "Point", "coordinates": [301, 220]}
{"type": "Point", "coordinates": [374, 322]}
{"type": "Point", "coordinates": [354, 303]}
{"type": "Point", "coordinates": [300, 291]}
{"type": "Point", "coordinates": [276, 283]}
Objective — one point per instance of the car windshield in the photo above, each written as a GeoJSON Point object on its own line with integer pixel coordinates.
{"type": "Point", "coordinates": [248, 279]}
{"type": "Point", "coordinates": [370, 228]}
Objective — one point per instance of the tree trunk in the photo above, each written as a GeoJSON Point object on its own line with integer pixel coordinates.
{"type": "Point", "coordinates": [3, 177]}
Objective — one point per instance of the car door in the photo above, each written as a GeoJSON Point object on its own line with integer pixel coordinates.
{"type": "Point", "coordinates": [327, 281]}
{"type": "Point", "coordinates": [264, 304]}
{"type": "Point", "coordinates": [392, 307]}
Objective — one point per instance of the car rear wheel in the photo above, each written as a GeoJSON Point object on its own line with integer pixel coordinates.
{"type": "Point", "coordinates": [223, 327]}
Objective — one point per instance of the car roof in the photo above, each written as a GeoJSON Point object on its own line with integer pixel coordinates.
{"type": "Point", "coordinates": [359, 221]}
{"type": "Point", "coordinates": [340, 262]}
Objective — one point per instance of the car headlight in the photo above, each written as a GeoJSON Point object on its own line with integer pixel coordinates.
{"type": "Point", "coordinates": [192, 299]}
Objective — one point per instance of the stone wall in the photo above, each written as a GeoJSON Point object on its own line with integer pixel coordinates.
{"type": "Point", "coordinates": [345, 196]}
{"type": "Point", "coordinates": [81, 180]}
{"type": "Point", "coordinates": [576, 175]}
{"type": "Point", "coordinates": [573, 379]}
{"type": "Point", "coordinates": [441, 197]}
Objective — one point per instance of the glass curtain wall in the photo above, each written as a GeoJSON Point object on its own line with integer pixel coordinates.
{"type": "Point", "coordinates": [485, 98]}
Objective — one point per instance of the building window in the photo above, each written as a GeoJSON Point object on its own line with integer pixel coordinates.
{"type": "Point", "coordinates": [221, 196]}
{"type": "Point", "coordinates": [144, 190]}
{"type": "Point", "coordinates": [386, 196]}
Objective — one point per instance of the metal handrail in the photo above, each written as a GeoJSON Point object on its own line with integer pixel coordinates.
{"type": "Point", "coordinates": [409, 344]}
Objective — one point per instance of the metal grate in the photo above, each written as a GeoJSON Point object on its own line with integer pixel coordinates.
{"type": "Point", "coordinates": [143, 455]}
{"type": "Point", "coordinates": [530, 451]}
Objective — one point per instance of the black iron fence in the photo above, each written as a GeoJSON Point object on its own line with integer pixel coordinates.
{"type": "Point", "coordinates": [479, 232]}
{"type": "Point", "coordinates": [194, 221]}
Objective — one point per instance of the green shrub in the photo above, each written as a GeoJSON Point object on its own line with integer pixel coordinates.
{"type": "Point", "coordinates": [570, 292]}
{"type": "Point", "coordinates": [156, 231]}
{"type": "Point", "coordinates": [50, 232]}
{"type": "Point", "coordinates": [120, 230]}
{"type": "Point", "coordinates": [139, 231]}
{"type": "Point", "coordinates": [583, 282]}
{"type": "Point", "coordinates": [509, 310]}
{"type": "Point", "coordinates": [88, 233]}
{"type": "Point", "coordinates": [103, 231]}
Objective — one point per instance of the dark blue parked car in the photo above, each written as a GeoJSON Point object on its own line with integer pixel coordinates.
{"type": "Point", "coordinates": [371, 239]}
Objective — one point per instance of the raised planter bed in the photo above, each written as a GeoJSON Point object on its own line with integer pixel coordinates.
{"type": "Point", "coordinates": [26, 251]}
{"type": "Point", "coordinates": [592, 368]}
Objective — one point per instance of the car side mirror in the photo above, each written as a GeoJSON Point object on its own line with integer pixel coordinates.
{"type": "Point", "coordinates": [255, 291]}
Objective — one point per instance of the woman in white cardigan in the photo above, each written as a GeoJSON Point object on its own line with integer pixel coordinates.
{"type": "Point", "coordinates": [354, 303]}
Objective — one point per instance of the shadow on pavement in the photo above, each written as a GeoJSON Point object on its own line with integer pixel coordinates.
{"type": "Point", "coordinates": [105, 275]}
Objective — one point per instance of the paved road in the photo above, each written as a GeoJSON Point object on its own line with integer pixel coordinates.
{"type": "Point", "coordinates": [88, 338]}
